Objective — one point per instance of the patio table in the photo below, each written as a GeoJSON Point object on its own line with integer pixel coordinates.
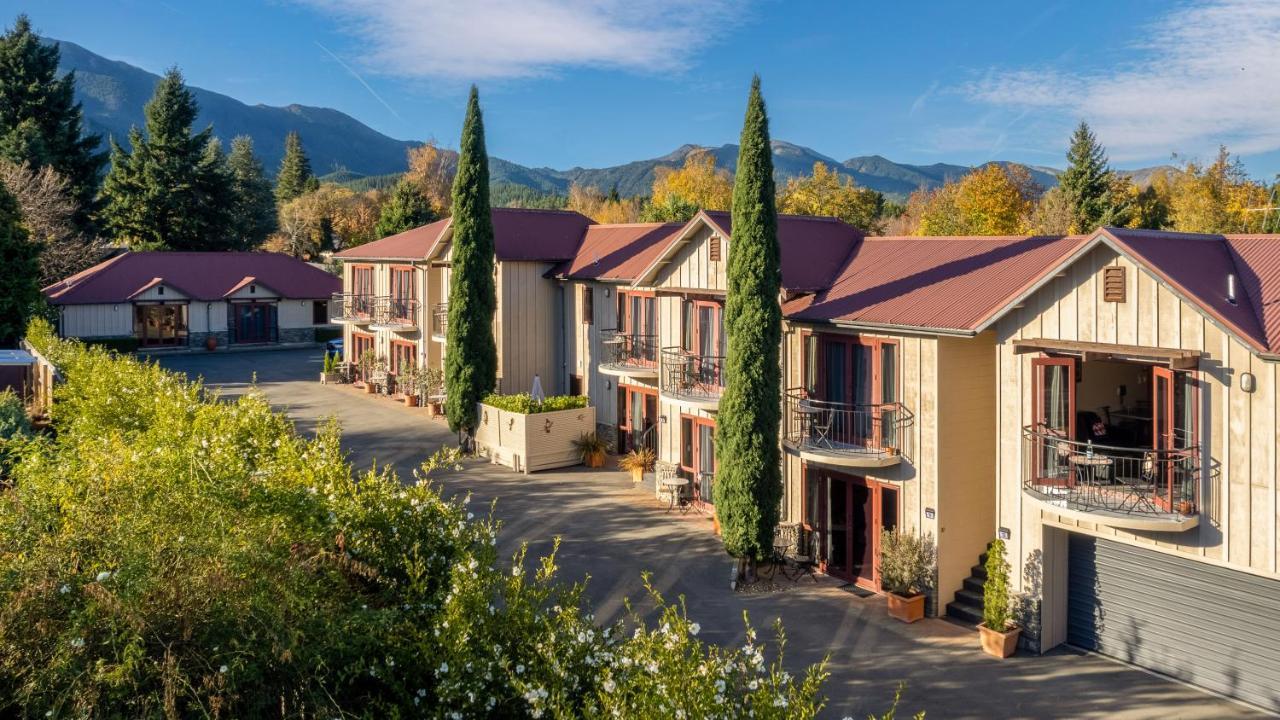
{"type": "Point", "coordinates": [675, 488]}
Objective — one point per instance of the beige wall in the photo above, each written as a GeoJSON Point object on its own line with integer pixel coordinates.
{"type": "Point", "coordinates": [116, 319]}
{"type": "Point", "coordinates": [382, 339]}
{"type": "Point", "coordinates": [528, 327]}
{"type": "Point", "coordinates": [1238, 525]}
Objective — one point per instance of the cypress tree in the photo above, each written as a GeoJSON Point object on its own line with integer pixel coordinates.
{"type": "Point", "coordinates": [19, 281]}
{"type": "Point", "coordinates": [471, 362]}
{"type": "Point", "coordinates": [406, 209]}
{"type": "Point", "coordinates": [40, 121]}
{"type": "Point", "coordinates": [1087, 181]}
{"type": "Point", "coordinates": [254, 205]}
{"type": "Point", "coordinates": [171, 190]}
{"type": "Point", "coordinates": [295, 177]}
{"type": "Point", "coordinates": [748, 487]}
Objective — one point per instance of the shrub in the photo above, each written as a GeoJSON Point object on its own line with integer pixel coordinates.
{"type": "Point", "coordinates": [330, 363]}
{"type": "Point", "coordinates": [641, 459]}
{"type": "Point", "coordinates": [524, 403]}
{"type": "Point", "coordinates": [15, 427]}
{"type": "Point", "coordinates": [995, 589]}
{"type": "Point", "coordinates": [906, 562]}
{"type": "Point", "coordinates": [119, 344]}
{"type": "Point", "coordinates": [168, 554]}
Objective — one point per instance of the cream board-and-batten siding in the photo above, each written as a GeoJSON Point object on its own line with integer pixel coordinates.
{"type": "Point", "coordinates": [1237, 428]}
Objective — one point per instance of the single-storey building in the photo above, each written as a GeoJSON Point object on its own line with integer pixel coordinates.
{"type": "Point", "coordinates": [182, 299]}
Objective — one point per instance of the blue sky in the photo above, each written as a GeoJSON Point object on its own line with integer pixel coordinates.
{"type": "Point", "coordinates": [600, 82]}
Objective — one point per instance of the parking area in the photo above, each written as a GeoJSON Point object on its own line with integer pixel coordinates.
{"type": "Point", "coordinates": [612, 533]}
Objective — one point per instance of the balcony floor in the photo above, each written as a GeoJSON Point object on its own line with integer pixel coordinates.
{"type": "Point", "coordinates": [1060, 503]}
{"type": "Point", "coordinates": [628, 370]}
{"type": "Point", "coordinates": [842, 455]}
{"type": "Point", "coordinates": [702, 401]}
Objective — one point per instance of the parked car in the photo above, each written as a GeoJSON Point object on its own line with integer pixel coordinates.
{"type": "Point", "coordinates": [334, 348]}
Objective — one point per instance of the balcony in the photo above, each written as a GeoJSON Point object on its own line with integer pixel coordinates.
{"type": "Point", "coordinates": [351, 308]}
{"type": "Point", "coordinates": [440, 322]}
{"type": "Point", "coordinates": [693, 379]}
{"type": "Point", "coordinates": [395, 313]}
{"type": "Point", "coordinates": [1135, 488]}
{"type": "Point", "coordinates": [847, 435]}
{"type": "Point", "coordinates": [628, 354]}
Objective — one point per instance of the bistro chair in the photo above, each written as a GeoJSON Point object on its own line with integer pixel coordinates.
{"type": "Point", "coordinates": [804, 561]}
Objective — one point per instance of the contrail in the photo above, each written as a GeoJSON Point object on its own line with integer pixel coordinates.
{"type": "Point", "coordinates": [356, 75]}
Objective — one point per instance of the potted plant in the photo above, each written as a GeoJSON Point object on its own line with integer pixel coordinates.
{"type": "Point", "coordinates": [592, 448]}
{"type": "Point", "coordinates": [407, 383]}
{"type": "Point", "coordinates": [638, 461]}
{"type": "Point", "coordinates": [210, 342]}
{"type": "Point", "coordinates": [329, 373]}
{"type": "Point", "coordinates": [998, 632]}
{"type": "Point", "coordinates": [906, 571]}
{"type": "Point", "coordinates": [366, 363]}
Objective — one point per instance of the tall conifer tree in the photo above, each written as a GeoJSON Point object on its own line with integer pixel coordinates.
{"type": "Point", "coordinates": [40, 121]}
{"type": "Point", "coordinates": [471, 364]}
{"type": "Point", "coordinates": [19, 278]}
{"type": "Point", "coordinates": [1087, 182]}
{"type": "Point", "coordinates": [171, 189]}
{"type": "Point", "coordinates": [748, 487]}
{"type": "Point", "coordinates": [254, 214]}
{"type": "Point", "coordinates": [295, 176]}
{"type": "Point", "coordinates": [407, 208]}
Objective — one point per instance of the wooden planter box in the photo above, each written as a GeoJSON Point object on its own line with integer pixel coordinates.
{"type": "Point", "coordinates": [529, 443]}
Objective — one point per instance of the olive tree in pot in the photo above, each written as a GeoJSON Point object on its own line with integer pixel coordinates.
{"type": "Point", "coordinates": [998, 632]}
{"type": "Point", "coordinates": [407, 383]}
{"type": "Point", "coordinates": [367, 363]}
{"type": "Point", "coordinates": [907, 563]}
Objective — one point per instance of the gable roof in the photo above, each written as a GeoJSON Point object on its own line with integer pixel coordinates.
{"type": "Point", "coordinates": [518, 234]}
{"type": "Point", "coordinates": [617, 252]}
{"type": "Point", "coordinates": [1257, 258]}
{"type": "Point", "coordinates": [204, 276]}
{"type": "Point", "coordinates": [812, 249]}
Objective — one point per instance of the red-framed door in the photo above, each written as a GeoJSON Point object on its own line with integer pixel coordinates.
{"type": "Point", "coordinates": [638, 318]}
{"type": "Point", "coordinates": [698, 456]}
{"type": "Point", "coordinates": [1164, 441]}
{"type": "Point", "coordinates": [862, 372]}
{"type": "Point", "coordinates": [637, 413]}
{"type": "Point", "coordinates": [360, 342]}
{"type": "Point", "coordinates": [1053, 412]}
{"type": "Point", "coordinates": [848, 513]}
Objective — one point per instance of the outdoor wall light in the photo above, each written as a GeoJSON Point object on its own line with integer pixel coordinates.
{"type": "Point", "coordinates": [1248, 382]}
{"type": "Point", "coordinates": [929, 513]}
{"type": "Point", "coordinates": [606, 292]}
{"type": "Point", "coordinates": [1003, 533]}
{"type": "Point", "coordinates": [662, 419]}
{"type": "Point", "coordinates": [608, 384]}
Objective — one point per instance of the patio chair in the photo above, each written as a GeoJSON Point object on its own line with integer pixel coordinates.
{"type": "Point", "coordinates": [804, 561]}
{"type": "Point", "coordinates": [820, 428]}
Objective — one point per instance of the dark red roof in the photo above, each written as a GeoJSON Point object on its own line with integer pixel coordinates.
{"type": "Point", "coordinates": [618, 252]}
{"type": "Point", "coordinates": [1257, 260]}
{"type": "Point", "coordinates": [199, 275]}
{"type": "Point", "coordinates": [518, 234]}
{"type": "Point", "coordinates": [813, 248]}
{"type": "Point", "coordinates": [950, 283]}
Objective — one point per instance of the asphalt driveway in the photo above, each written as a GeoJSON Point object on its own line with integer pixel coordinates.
{"type": "Point", "coordinates": [611, 533]}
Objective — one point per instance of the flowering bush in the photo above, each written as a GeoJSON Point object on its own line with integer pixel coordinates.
{"type": "Point", "coordinates": [167, 554]}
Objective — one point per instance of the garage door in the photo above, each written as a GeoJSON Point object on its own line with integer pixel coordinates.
{"type": "Point", "coordinates": [1205, 625]}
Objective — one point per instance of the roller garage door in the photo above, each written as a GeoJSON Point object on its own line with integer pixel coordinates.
{"type": "Point", "coordinates": [1206, 625]}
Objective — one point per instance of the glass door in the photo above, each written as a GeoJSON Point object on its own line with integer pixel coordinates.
{"type": "Point", "coordinates": [706, 462]}
{"type": "Point", "coordinates": [1053, 412]}
{"type": "Point", "coordinates": [1163, 438]}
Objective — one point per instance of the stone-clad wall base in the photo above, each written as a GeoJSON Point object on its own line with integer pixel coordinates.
{"type": "Point", "coordinates": [298, 335]}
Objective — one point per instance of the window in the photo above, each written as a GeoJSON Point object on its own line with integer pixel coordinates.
{"type": "Point", "coordinates": [402, 356]}
{"type": "Point", "coordinates": [362, 280]}
{"type": "Point", "coordinates": [320, 312]}
{"type": "Point", "coordinates": [810, 352]}
{"type": "Point", "coordinates": [360, 343]}
{"type": "Point", "coordinates": [1113, 289]}
{"type": "Point", "coordinates": [698, 454]}
{"type": "Point", "coordinates": [402, 285]}
{"type": "Point", "coordinates": [588, 306]}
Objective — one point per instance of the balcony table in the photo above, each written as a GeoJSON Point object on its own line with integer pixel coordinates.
{"type": "Point", "coordinates": [808, 414]}
{"type": "Point", "coordinates": [675, 488]}
{"type": "Point", "coordinates": [1092, 470]}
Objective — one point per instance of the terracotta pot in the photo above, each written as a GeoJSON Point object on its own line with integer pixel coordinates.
{"type": "Point", "coordinates": [1185, 507]}
{"type": "Point", "coordinates": [999, 644]}
{"type": "Point", "coordinates": [411, 401]}
{"type": "Point", "coordinates": [595, 459]}
{"type": "Point", "coordinates": [369, 388]}
{"type": "Point", "coordinates": [211, 342]}
{"type": "Point", "coordinates": [637, 475]}
{"type": "Point", "coordinates": [907, 608]}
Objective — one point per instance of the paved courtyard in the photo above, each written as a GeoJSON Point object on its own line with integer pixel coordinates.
{"type": "Point", "coordinates": [611, 533]}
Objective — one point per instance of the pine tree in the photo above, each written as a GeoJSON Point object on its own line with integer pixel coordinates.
{"type": "Point", "coordinates": [254, 205]}
{"type": "Point", "coordinates": [748, 488]}
{"type": "Point", "coordinates": [471, 364]}
{"type": "Point", "coordinates": [40, 121]}
{"type": "Point", "coordinates": [1087, 182]}
{"type": "Point", "coordinates": [172, 189]}
{"type": "Point", "coordinates": [406, 209]}
{"type": "Point", "coordinates": [295, 176]}
{"type": "Point", "coordinates": [19, 282]}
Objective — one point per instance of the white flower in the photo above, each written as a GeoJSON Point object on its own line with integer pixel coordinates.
{"type": "Point", "coordinates": [64, 589]}
{"type": "Point", "coordinates": [780, 701]}
{"type": "Point", "coordinates": [719, 686]}
{"type": "Point", "coordinates": [104, 575]}
{"type": "Point", "coordinates": [753, 684]}
{"type": "Point", "coordinates": [222, 669]}
{"type": "Point", "coordinates": [422, 692]}
{"type": "Point", "coordinates": [694, 629]}
{"type": "Point", "coordinates": [519, 669]}
{"type": "Point", "coordinates": [608, 685]}
{"type": "Point", "coordinates": [77, 643]}
{"type": "Point", "coordinates": [444, 668]}
{"type": "Point", "coordinates": [515, 570]}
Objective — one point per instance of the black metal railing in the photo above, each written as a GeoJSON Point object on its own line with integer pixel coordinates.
{"type": "Point", "coordinates": [395, 311]}
{"type": "Point", "coordinates": [440, 319]}
{"type": "Point", "coordinates": [839, 428]}
{"type": "Point", "coordinates": [690, 375]}
{"type": "Point", "coordinates": [1104, 478]}
{"type": "Point", "coordinates": [351, 307]}
{"type": "Point", "coordinates": [629, 349]}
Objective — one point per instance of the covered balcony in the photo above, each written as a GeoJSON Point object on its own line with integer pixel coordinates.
{"type": "Point", "coordinates": [1137, 488]}
{"type": "Point", "coordinates": [351, 308]}
{"type": "Point", "coordinates": [628, 354]}
{"type": "Point", "coordinates": [395, 313]}
{"type": "Point", "coordinates": [692, 378]}
{"type": "Point", "coordinates": [847, 434]}
{"type": "Point", "coordinates": [440, 322]}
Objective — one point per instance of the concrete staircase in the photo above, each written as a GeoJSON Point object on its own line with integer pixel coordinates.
{"type": "Point", "coordinates": [967, 607]}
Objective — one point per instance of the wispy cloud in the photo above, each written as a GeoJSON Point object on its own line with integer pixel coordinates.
{"type": "Point", "coordinates": [1208, 73]}
{"type": "Point", "coordinates": [359, 79]}
{"type": "Point", "coordinates": [494, 39]}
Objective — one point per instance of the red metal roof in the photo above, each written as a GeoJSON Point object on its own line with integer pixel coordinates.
{"type": "Point", "coordinates": [199, 275]}
{"type": "Point", "coordinates": [618, 252]}
{"type": "Point", "coordinates": [518, 234]}
{"type": "Point", "coordinates": [950, 283]}
{"type": "Point", "coordinates": [1257, 259]}
{"type": "Point", "coordinates": [813, 249]}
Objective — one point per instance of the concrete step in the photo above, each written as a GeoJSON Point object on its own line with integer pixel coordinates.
{"type": "Point", "coordinates": [974, 584]}
{"type": "Point", "coordinates": [978, 571]}
{"type": "Point", "coordinates": [971, 597]}
{"type": "Point", "coordinates": [964, 612]}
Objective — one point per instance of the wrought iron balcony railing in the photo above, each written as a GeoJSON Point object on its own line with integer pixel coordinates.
{"type": "Point", "coordinates": [351, 308]}
{"type": "Point", "coordinates": [395, 313]}
{"type": "Point", "coordinates": [691, 376]}
{"type": "Point", "coordinates": [1113, 480]}
{"type": "Point", "coordinates": [625, 351]}
{"type": "Point", "coordinates": [846, 429]}
{"type": "Point", "coordinates": [440, 320]}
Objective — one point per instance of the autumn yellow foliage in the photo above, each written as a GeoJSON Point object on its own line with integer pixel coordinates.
{"type": "Point", "coordinates": [699, 182]}
{"type": "Point", "coordinates": [602, 208]}
{"type": "Point", "coordinates": [431, 170]}
{"type": "Point", "coordinates": [827, 193]}
{"type": "Point", "coordinates": [1214, 198]}
{"type": "Point", "coordinates": [991, 200]}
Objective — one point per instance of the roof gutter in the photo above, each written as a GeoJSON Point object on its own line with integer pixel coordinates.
{"type": "Point", "coordinates": [890, 327]}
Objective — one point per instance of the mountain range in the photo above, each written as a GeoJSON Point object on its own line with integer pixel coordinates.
{"type": "Point", "coordinates": [113, 94]}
